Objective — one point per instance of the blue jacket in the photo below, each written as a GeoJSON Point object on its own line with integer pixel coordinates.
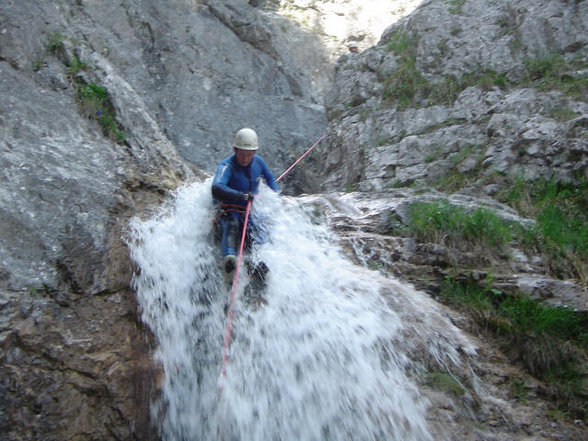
{"type": "Point", "coordinates": [232, 180]}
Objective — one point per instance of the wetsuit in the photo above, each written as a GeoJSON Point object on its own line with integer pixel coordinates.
{"type": "Point", "coordinates": [230, 185]}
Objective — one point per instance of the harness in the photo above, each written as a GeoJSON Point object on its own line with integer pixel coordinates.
{"type": "Point", "coordinates": [229, 208]}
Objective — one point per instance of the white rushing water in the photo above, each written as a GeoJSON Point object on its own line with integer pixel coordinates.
{"type": "Point", "coordinates": [318, 362]}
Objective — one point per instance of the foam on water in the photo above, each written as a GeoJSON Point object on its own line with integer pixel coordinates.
{"type": "Point", "coordinates": [318, 362]}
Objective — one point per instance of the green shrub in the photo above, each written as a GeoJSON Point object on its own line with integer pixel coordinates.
{"type": "Point", "coordinates": [445, 92]}
{"type": "Point", "coordinates": [400, 43]}
{"type": "Point", "coordinates": [405, 84]}
{"type": "Point", "coordinates": [550, 342]}
{"type": "Point", "coordinates": [444, 382]}
{"type": "Point", "coordinates": [560, 232]}
{"type": "Point", "coordinates": [409, 87]}
{"type": "Point", "coordinates": [93, 100]}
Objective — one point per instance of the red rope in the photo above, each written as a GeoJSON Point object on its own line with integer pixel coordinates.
{"type": "Point", "coordinates": [301, 158]}
{"type": "Point", "coordinates": [234, 291]}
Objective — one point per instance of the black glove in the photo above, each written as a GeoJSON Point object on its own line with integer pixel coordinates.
{"type": "Point", "coordinates": [248, 196]}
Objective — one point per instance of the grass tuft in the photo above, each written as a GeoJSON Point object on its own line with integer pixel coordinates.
{"type": "Point", "coordinates": [561, 231]}
{"type": "Point", "coordinates": [55, 42]}
{"type": "Point", "coordinates": [95, 103]}
{"type": "Point", "coordinates": [552, 71]}
{"type": "Point", "coordinates": [442, 222]}
{"type": "Point", "coordinates": [405, 84]}
{"type": "Point", "coordinates": [550, 342]}
{"type": "Point", "coordinates": [410, 88]}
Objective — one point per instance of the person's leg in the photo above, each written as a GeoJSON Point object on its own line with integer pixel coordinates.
{"type": "Point", "coordinates": [258, 271]}
{"type": "Point", "coordinates": [229, 225]}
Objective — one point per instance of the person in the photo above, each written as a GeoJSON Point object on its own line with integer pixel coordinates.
{"type": "Point", "coordinates": [352, 46]}
{"type": "Point", "coordinates": [235, 184]}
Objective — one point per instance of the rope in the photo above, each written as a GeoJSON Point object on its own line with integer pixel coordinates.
{"type": "Point", "coordinates": [301, 158]}
{"type": "Point", "coordinates": [234, 291]}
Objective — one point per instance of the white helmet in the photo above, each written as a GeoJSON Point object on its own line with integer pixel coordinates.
{"type": "Point", "coordinates": [246, 139]}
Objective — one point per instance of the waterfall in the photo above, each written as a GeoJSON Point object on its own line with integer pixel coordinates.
{"type": "Point", "coordinates": [325, 359]}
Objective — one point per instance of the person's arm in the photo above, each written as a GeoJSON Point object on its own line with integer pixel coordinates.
{"type": "Point", "coordinates": [220, 188]}
{"type": "Point", "coordinates": [269, 177]}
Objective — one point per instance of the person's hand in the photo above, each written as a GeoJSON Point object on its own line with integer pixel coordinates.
{"type": "Point", "coordinates": [248, 196]}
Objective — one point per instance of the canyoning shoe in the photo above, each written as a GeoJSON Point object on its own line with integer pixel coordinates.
{"type": "Point", "coordinates": [256, 288]}
{"type": "Point", "coordinates": [229, 264]}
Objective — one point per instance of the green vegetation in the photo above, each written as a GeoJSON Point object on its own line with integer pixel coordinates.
{"type": "Point", "coordinates": [453, 181]}
{"type": "Point", "coordinates": [93, 100]}
{"type": "Point", "coordinates": [456, 6]}
{"type": "Point", "coordinates": [456, 30]}
{"type": "Point", "coordinates": [562, 114]}
{"type": "Point", "coordinates": [442, 222]}
{"type": "Point", "coordinates": [446, 91]}
{"type": "Point", "coordinates": [43, 291]}
{"type": "Point", "coordinates": [408, 86]}
{"type": "Point", "coordinates": [400, 43]}
{"type": "Point", "coordinates": [519, 390]}
{"type": "Point", "coordinates": [467, 151]}
{"type": "Point", "coordinates": [456, 179]}
{"type": "Point", "coordinates": [95, 103]}
{"type": "Point", "coordinates": [37, 64]}
{"type": "Point", "coordinates": [76, 66]}
{"type": "Point", "coordinates": [384, 141]}
{"type": "Point", "coordinates": [405, 84]}
{"type": "Point", "coordinates": [444, 382]}
{"type": "Point", "coordinates": [55, 42]}
{"type": "Point", "coordinates": [561, 231]}
{"type": "Point", "coordinates": [434, 155]}
{"type": "Point", "coordinates": [508, 21]}
{"type": "Point", "coordinates": [551, 342]}
{"type": "Point", "coordinates": [552, 72]}
{"type": "Point", "coordinates": [364, 113]}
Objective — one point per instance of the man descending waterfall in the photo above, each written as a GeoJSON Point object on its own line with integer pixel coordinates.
{"type": "Point", "coordinates": [235, 183]}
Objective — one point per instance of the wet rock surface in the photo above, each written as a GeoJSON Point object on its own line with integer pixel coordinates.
{"type": "Point", "coordinates": [473, 393]}
{"type": "Point", "coordinates": [74, 367]}
{"type": "Point", "coordinates": [181, 78]}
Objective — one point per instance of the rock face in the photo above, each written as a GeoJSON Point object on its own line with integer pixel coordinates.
{"type": "Point", "coordinates": [106, 108]}
{"type": "Point", "coordinates": [339, 23]}
{"type": "Point", "coordinates": [363, 222]}
{"type": "Point", "coordinates": [74, 367]}
{"type": "Point", "coordinates": [460, 87]}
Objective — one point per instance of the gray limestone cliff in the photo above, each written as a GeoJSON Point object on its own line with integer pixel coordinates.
{"type": "Point", "coordinates": [107, 107]}
{"type": "Point", "coordinates": [457, 76]}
